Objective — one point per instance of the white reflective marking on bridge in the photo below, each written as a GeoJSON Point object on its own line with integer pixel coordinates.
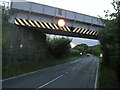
{"type": "Point", "coordinates": [16, 22]}
{"type": "Point", "coordinates": [42, 25]}
{"type": "Point", "coordinates": [37, 24]}
{"type": "Point", "coordinates": [46, 25]}
{"type": "Point", "coordinates": [21, 22]}
{"type": "Point", "coordinates": [78, 30]}
{"type": "Point", "coordinates": [51, 25]}
{"type": "Point", "coordinates": [68, 28]}
{"type": "Point", "coordinates": [75, 29]}
{"type": "Point", "coordinates": [56, 26]}
{"type": "Point", "coordinates": [31, 23]}
{"type": "Point", "coordinates": [26, 22]}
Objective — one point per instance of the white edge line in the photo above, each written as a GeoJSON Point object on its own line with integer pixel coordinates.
{"type": "Point", "coordinates": [49, 82]}
{"type": "Point", "coordinates": [26, 73]}
{"type": "Point", "coordinates": [93, 71]}
{"type": "Point", "coordinates": [29, 73]}
{"type": "Point", "coordinates": [96, 78]}
{"type": "Point", "coordinates": [23, 74]}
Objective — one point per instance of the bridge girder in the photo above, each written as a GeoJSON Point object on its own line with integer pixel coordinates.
{"type": "Point", "coordinates": [45, 18]}
{"type": "Point", "coordinates": [51, 28]}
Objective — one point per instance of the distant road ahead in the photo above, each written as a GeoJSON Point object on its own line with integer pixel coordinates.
{"type": "Point", "coordinates": [77, 74]}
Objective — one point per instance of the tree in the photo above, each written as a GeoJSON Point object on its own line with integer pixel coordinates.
{"type": "Point", "coordinates": [82, 48]}
{"type": "Point", "coordinates": [59, 47]}
{"type": "Point", "coordinates": [95, 50]}
{"type": "Point", "coordinates": [109, 38]}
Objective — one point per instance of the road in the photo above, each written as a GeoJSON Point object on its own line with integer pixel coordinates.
{"type": "Point", "coordinates": [76, 74]}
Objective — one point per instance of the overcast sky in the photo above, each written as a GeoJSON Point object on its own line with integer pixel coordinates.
{"type": "Point", "coordinates": [89, 7]}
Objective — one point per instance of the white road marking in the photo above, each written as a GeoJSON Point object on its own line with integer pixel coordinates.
{"type": "Point", "coordinates": [31, 72]}
{"type": "Point", "coordinates": [74, 68]}
{"type": "Point", "coordinates": [23, 74]}
{"type": "Point", "coordinates": [0, 84]}
{"type": "Point", "coordinates": [93, 71]}
{"type": "Point", "coordinates": [79, 67]}
{"type": "Point", "coordinates": [66, 72]}
{"type": "Point", "coordinates": [50, 82]}
{"type": "Point", "coordinates": [96, 78]}
{"type": "Point", "coordinates": [28, 73]}
{"type": "Point", "coordinates": [75, 61]}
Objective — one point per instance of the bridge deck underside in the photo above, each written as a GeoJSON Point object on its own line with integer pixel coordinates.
{"type": "Point", "coordinates": [51, 28]}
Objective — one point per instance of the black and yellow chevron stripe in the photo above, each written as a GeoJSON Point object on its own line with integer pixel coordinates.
{"type": "Point", "coordinates": [51, 26]}
{"type": "Point", "coordinates": [38, 24]}
{"type": "Point", "coordinates": [85, 31]}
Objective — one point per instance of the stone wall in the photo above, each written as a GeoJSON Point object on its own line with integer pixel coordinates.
{"type": "Point", "coordinates": [24, 44]}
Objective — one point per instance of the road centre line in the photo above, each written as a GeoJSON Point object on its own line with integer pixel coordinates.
{"type": "Point", "coordinates": [79, 65]}
{"type": "Point", "coordinates": [83, 65]}
{"type": "Point", "coordinates": [74, 61]}
{"type": "Point", "coordinates": [55, 78]}
{"type": "Point", "coordinates": [66, 72]}
{"type": "Point", "coordinates": [74, 68]}
{"type": "Point", "coordinates": [50, 82]}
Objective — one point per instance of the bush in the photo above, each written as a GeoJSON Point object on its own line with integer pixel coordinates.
{"type": "Point", "coordinates": [59, 47]}
{"type": "Point", "coordinates": [74, 52]}
{"type": "Point", "coordinates": [82, 48]}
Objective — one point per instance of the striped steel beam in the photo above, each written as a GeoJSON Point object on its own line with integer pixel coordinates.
{"type": "Point", "coordinates": [51, 26]}
{"type": "Point", "coordinates": [85, 31]}
{"type": "Point", "coordinates": [96, 34]}
{"type": "Point", "coordinates": [38, 24]}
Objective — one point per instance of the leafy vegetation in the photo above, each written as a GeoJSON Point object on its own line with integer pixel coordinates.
{"type": "Point", "coordinates": [108, 78]}
{"type": "Point", "coordinates": [59, 47]}
{"type": "Point", "coordinates": [95, 50]}
{"type": "Point", "coordinates": [74, 52]}
{"type": "Point", "coordinates": [82, 48]}
{"type": "Point", "coordinates": [109, 38]}
{"type": "Point", "coordinates": [25, 67]}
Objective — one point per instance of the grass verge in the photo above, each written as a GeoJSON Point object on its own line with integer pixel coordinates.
{"type": "Point", "coordinates": [108, 78]}
{"type": "Point", "coordinates": [25, 67]}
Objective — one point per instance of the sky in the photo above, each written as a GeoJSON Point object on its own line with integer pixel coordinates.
{"type": "Point", "coordinates": [89, 7]}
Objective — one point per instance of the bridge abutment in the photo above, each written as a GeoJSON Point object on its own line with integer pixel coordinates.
{"type": "Point", "coordinates": [23, 44]}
